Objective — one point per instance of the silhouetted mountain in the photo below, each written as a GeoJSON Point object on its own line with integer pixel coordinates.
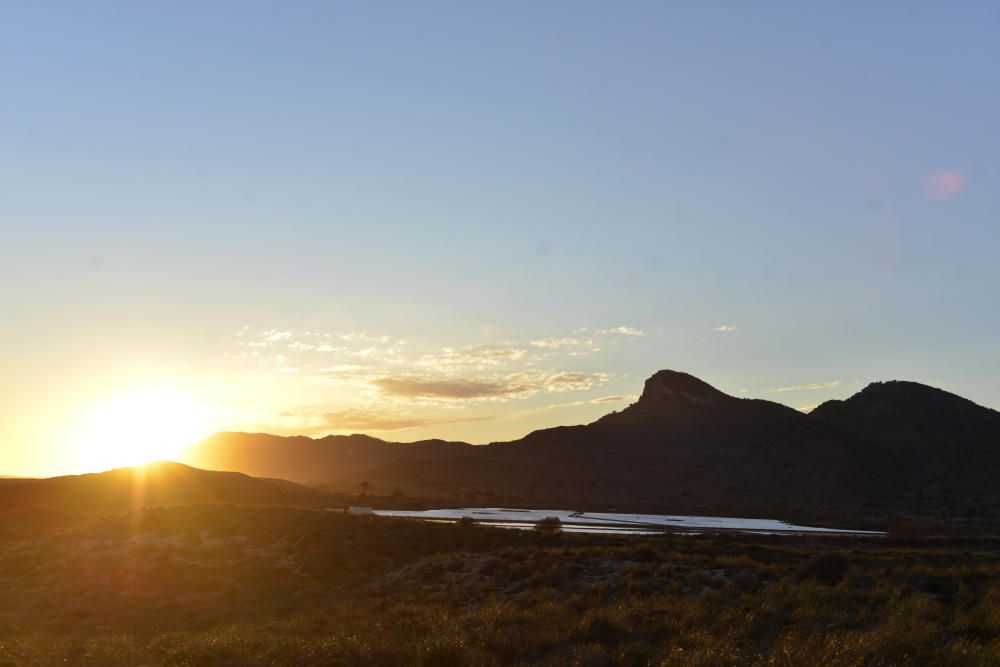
{"type": "Point", "coordinates": [683, 445]}
{"type": "Point", "coordinates": [942, 443]}
{"type": "Point", "coordinates": [309, 460]}
{"type": "Point", "coordinates": [672, 398]}
{"type": "Point", "coordinates": [56, 501]}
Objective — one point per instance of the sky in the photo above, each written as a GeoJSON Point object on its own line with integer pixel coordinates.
{"type": "Point", "coordinates": [472, 220]}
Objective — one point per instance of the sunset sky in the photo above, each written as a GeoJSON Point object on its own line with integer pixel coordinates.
{"type": "Point", "coordinates": [471, 220]}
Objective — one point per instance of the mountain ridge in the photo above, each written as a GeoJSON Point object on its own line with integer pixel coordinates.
{"type": "Point", "coordinates": [683, 443]}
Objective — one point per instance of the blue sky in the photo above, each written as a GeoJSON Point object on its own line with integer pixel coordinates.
{"type": "Point", "coordinates": [772, 195]}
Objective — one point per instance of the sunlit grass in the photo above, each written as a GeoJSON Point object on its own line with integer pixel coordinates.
{"type": "Point", "coordinates": [207, 585]}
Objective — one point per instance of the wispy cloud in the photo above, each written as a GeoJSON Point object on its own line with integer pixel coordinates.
{"type": "Point", "coordinates": [367, 420]}
{"type": "Point", "coordinates": [618, 398]}
{"type": "Point", "coordinates": [943, 184]}
{"type": "Point", "coordinates": [601, 400]}
{"type": "Point", "coordinates": [813, 386]}
{"type": "Point", "coordinates": [573, 381]}
{"type": "Point", "coordinates": [274, 336]}
{"type": "Point", "coordinates": [520, 384]}
{"type": "Point", "coordinates": [371, 382]}
{"type": "Point", "coordinates": [314, 422]}
{"type": "Point", "coordinates": [581, 343]}
{"type": "Point", "coordinates": [481, 356]}
{"type": "Point", "coordinates": [456, 389]}
{"type": "Point", "coordinates": [555, 343]}
{"type": "Point", "coordinates": [621, 331]}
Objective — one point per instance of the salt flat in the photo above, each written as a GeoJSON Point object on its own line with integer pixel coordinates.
{"type": "Point", "coordinates": [613, 522]}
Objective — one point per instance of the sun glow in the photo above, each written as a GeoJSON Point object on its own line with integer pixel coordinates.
{"type": "Point", "coordinates": [139, 427]}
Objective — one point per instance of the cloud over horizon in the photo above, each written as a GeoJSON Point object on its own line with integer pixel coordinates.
{"type": "Point", "coordinates": [319, 421]}
{"type": "Point", "coordinates": [385, 383]}
{"type": "Point", "coordinates": [451, 389]}
{"type": "Point", "coordinates": [513, 385]}
{"type": "Point", "coordinates": [813, 386]}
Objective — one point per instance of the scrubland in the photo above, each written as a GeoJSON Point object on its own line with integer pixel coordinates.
{"type": "Point", "coordinates": [231, 585]}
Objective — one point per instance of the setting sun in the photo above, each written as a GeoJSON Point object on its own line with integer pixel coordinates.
{"type": "Point", "coordinates": [139, 427]}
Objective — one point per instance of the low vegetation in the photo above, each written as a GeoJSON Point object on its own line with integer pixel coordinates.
{"type": "Point", "coordinates": [229, 585]}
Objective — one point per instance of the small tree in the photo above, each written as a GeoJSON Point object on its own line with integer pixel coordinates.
{"type": "Point", "coordinates": [550, 525]}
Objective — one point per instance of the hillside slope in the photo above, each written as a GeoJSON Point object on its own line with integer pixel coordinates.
{"type": "Point", "coordinates": [308, 460]}
{"type": "Point", "coordinates": [32, 505]}
{"type": "Point", "coordinates": [946, 447]}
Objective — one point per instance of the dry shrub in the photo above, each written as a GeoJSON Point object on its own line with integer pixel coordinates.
{"type": "Point", "coordinates": [828, 568]}
{"type": "Point", "coordinates": [550, 525]}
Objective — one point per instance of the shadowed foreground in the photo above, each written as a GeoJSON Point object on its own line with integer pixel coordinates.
{"type": "Point", "coordinates": [229, 585]}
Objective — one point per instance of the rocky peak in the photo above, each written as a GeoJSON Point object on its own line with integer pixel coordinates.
{"type": "Point", "coordinates": [669, 395]}
{"type": "Point", "coordinates": [665, 387]}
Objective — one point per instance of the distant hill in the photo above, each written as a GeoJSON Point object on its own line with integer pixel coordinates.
{"type": "Point", "coordinates": [945, 445]}
{"type": "Point", "coordinates": [894, 448]}
{"type": "Point", "coordinates": [307, 460]}
{"type": "Point", "coordinates": [29, 504]}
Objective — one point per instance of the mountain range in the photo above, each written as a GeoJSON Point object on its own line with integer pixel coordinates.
{"type": "Point", "coordinates": [895, 447]}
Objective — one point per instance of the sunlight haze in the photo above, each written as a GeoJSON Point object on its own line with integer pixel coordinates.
{"type": "Point", "coordinates": [140, 427]}
{"type": "Point", "coordinates": [473, 222]}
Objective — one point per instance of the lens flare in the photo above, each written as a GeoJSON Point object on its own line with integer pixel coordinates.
{"type": "Point", "coordinates": [139, 427]}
